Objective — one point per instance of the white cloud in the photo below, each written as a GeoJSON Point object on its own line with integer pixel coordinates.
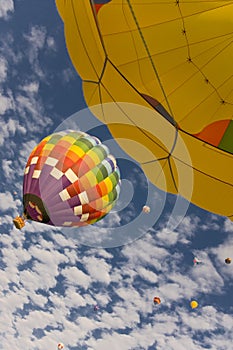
{"type": "Point", "coordinates": [36, 38]}
{"type": "Point", "coordinates": [74, 276]}
{"type": "Point", "coordinates": [147, 275]}
{"type": "Point", "coordinates": [145, 251]}
{"type": "Point", "coordinates": [5, 104]}
{"type": "Point", "coordinates": [228, 225]}
{"type": "Point", "coordinates": [31, 88]}
{"type": "Point", "coordinates": [114, 341]}
{"type": "Point", "coordinates": [98, 269]}
{"type": "Point", "coordinates": [7, 202]}
{"type": "Point", "coordinates": [68, 75]}
{"type": "Point", "coordinates": [51, 43]}
{"type": "Point", "coordinates": [25, 150]}
{"type": "Point", "coordinates": [167, 237]}
{"type": "Point", "coordinates": [3, 69]}
{"type": "Point", "coordinates": [8, 129]}
{"type": "Point", "coordinates": [6, 6]}
{"type": "Point", "coordinates": [7, 168]}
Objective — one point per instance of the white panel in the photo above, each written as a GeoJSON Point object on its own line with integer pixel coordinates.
{"type": "Point", "coordinates": [51, 161]}
{"type": "Point", "coordinates": [83, 197]}
{"type": "Point", "coordinates": [84, 217]}
{"type": "Point", "coordinates": [34, 160]}
{"type": "Point", "coordinates": [67, 223]}
{"type": "Point", "coordinates": [26, 171]}
{"type": "Point", "coordinates": [64, 195]}
{"type": "Point", "coordinates": [78, 210]}
{"type": "Point", "coordinates": [56, 173]}
{"type": "Point", "coordinates": [36, 174]}
{"type": "Point", "coordinates": [71, 176]}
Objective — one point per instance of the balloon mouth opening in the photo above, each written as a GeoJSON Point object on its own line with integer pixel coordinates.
{"type": "Point", "coordinates": [34, 208]}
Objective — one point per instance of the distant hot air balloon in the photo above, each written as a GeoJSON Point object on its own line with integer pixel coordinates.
{"type": "Point", "coordinates": [194, 304]}
{"type": "Point", "coordinates": [70, 180]}
{"type": "Point", "coordinates": [196, 261]}
{"type": "Point", "coordinates": [175, 58]}
{"type": "Point", "coordinates": [96, 308]}
{"type": "Point", "coordinates": [60, 346]}
{"type": "Point", "coordinates": [146, 209]}
{"type": "Point", "coordinates": [157, 300]}
{"type": "Point", "coordinates": [228, 260]}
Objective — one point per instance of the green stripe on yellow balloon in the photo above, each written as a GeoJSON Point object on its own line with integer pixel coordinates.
{"type": "Point", "coordinates": [218, 134]}
{"type": "Point", "coordinates": [226, 143]}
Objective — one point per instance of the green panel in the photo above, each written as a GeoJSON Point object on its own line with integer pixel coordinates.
{"type": "Point", "coordinates": [85, 145]}
{"type": "Point", "coordinates": [226, 143]}
{"type": "Point", "coordinates": [103, 173]}
{"type": "Point", "coordinates": [99, 176]}
{"type": "Point", "coordinates": [54, 139]}
{"type": "Point", "coordinates": [100, 151]}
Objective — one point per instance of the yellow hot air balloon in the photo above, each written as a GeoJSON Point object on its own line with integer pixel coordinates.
{"type": "Point", "coordinates": [194, 304]}
{"type": "Point", "coordinates": [170, 64]}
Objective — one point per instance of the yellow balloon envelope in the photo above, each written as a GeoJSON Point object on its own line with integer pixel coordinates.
{"type": "Point", "coordinates": [173, 61]}
{"type": "Point", "coordinates": [194, 304]}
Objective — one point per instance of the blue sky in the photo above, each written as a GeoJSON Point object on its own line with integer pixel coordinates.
{"type": "Point", "coordinates": [50, 279]}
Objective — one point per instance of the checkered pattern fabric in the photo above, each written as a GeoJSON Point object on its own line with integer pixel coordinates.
{"type": "Point", "coordinates": [78, 179]}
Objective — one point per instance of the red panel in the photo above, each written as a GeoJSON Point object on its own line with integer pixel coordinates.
{"type": "Point", "coordinates": [213, 133]}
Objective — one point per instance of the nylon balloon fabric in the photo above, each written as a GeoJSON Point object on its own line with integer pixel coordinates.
{"type": "Point", "coordinates": [175, 59]}
{"type": "Point", "coordinates": [70, 180]}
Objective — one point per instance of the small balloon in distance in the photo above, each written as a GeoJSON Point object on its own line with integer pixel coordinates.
{"type": "Point", "coordinates": [60, 346]}
{"type": "Point", "coordinates": [196, 261]}
{"type": "Point", "coordinates": [228, 260]}
{"type": "Point", "coordinates": [96, 308]}
{"type": "Point", "coordinates": [157, 300]}
{"type": "Point", "coordinates": [146, 209]}
{"type": "Point", "coordinates": [194, 304]}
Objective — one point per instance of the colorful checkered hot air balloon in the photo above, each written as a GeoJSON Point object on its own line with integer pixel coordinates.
{"type": "Point", "coordinates": [70, 180]}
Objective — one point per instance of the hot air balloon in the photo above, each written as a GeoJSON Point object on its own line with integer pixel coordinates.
{"type": "Point", "coordinates": [196, 261]}
{"type": "Point", "coordinates": [157, 300]}
{"type": "Point", "coordinates": [194, 304]}
{"type": "Point", "coordinates": [70, 180]}
{"type": "Point", "coordinates": [146, 209]}
{"type": "Point", "coordinates": [60, 346]}
{"type": "Point", "coordinates": [228, 260]}
{"type": "Point", "coordinates": [163, 74]}
{"type": "Point", "coordinates": [96, 308]}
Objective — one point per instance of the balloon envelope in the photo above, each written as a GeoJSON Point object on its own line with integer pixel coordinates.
{"type": "Point", "coordinates": [70, 180]}
{"type": "Point", "coordinates": [194, 304]}
{"type": "Point", "coordinates": [157, 300]}
{"type": "Point", "coordinates": [228, 260]}
{"type": "Point", "coordinates": [146, 209]}
{"type": "Point", "coordinates": [175, 59]}
{"type": "Point", "coordinates": [196, 261]}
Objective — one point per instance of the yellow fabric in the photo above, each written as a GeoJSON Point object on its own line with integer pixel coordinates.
{"type": "Point", "coordinates": [194, 304]}
{"type": "Point", "coordinates": [181, 55]}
